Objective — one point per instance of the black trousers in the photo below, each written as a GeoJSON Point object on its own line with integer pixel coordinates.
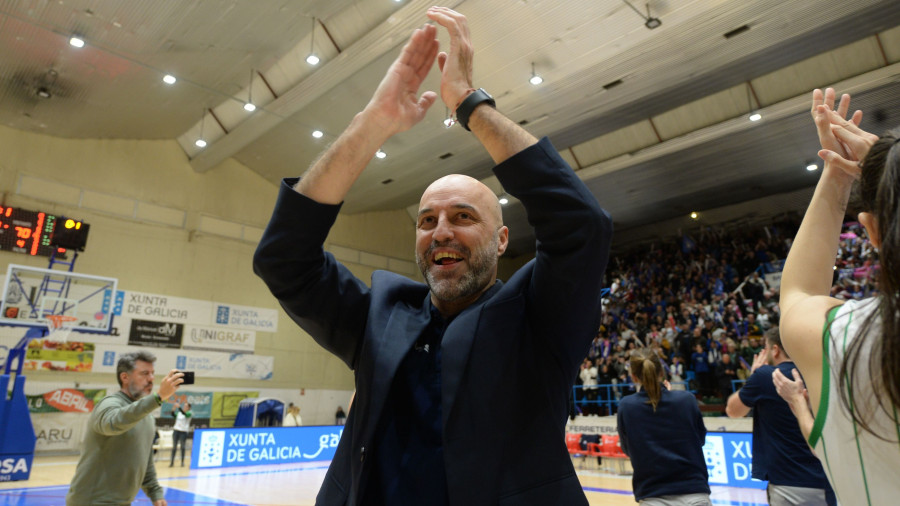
{"type": "Point", "coordinates": [176, 437]}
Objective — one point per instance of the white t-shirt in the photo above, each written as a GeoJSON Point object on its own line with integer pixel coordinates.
{"type": "Point", "coordinates": [862, 468]}
{"type": "Point", "coordinates": [182, 422]}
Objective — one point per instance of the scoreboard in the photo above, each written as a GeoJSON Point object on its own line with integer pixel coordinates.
{"type": "Point", "coordinates": [37, 233]}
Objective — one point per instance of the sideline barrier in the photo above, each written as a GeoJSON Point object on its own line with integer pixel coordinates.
{"type": "Point", "coordinates": [258, 446]}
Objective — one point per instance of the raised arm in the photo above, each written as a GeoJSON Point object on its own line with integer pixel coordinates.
{"type": "Point", "coordinates": [501, 136]}
{"type": "Point", "coordinates": [809, 268]}
{"type": "Point", "coordinates": [395, 107]}
{"type": "Point", "coordinates": [111, 420]}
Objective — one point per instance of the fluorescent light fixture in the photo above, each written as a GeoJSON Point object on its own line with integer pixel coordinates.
{"type": "Point", "coordinates": [317, 134]}
{"type": "Point", "coordinates": [169, 79]}
{"type": "Point", "coordinates": [76, 42]}
{"type": "Point", "coordinates": [380, 154]}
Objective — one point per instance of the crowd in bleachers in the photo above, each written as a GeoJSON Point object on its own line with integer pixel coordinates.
{"type": "Point", "coordinates": [703, 304]}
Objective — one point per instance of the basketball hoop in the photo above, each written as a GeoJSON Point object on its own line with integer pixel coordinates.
{"type": "Point", "coordinates": [59, 327]}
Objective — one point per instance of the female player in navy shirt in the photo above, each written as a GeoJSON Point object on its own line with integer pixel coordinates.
{"type": "Point", "coordinates": [663, 433]}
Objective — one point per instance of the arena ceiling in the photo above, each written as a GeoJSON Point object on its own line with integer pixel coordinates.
{"type": "Point", "coordinates": [653, 120]}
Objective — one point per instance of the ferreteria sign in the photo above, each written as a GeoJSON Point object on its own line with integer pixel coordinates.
{"type": "Point", "coordinates": [258, 446]}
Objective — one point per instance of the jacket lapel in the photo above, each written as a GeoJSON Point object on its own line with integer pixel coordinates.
{"type": "Point", "coordinates": [400, 334]}
{"type": "Point", "coordinates": [456, 347]}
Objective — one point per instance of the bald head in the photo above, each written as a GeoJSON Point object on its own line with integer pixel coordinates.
{"type": "Point", "coordinates": [467, 190]}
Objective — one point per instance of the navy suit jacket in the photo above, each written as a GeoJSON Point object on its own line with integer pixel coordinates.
{"type": "Point", "coordinates": [508, 360]}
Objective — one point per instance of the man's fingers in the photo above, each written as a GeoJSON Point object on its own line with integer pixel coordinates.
{"type": "Point", "coordinates": [857, 117]}
{"type": "Point", "coordinates": [796, 374]}
{"type": "Point", "coordinates": [426, 101]}
{"type": "Point", "coordinates": [441, 59]}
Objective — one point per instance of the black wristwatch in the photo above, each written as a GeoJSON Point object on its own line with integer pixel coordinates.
{"type": "Point", "coordinates": [470, 103]}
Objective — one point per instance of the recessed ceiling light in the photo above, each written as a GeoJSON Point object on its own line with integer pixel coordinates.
{"type": "Point", "coordinates": [317, 134]}
{"type": "Point", "coordinates": [200, 143]}
{"type": "Point", "coordinates": [169, 79]}
{"type": "Point", "coordinates": [504, 201]}
{"type": "Point", "coordinates": [76, 42]}
{"type": "Point", "coordinates": [536, 80]}
{"type": "Point", "coordinates": [312, 59]}
{"type": "Point", "coordinates": [811, 167]}
{"type": "Point", "coordinates": [380, 154]}
{"type": "Point", "coordinates": [249, 107]}
{"type": "Point", "coordinates": [755, 116]}
{"type": "Point", "coordinates": [694, 215]}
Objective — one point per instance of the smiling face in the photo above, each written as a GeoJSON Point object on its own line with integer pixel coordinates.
{"type": "Point", "coordinates": [459, 237]}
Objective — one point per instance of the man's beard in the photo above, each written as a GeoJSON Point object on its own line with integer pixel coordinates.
{"type": "Point", "coordinates": [135, 392]}
{"type": "Point", "coordinates": [482, 266]}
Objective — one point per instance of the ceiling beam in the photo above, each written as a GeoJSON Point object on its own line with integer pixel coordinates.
{"type": "Point", "coordinates": [376, 43]}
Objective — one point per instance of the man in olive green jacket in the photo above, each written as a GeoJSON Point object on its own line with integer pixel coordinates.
{"type": "Point", "coordinates": [117, 458]}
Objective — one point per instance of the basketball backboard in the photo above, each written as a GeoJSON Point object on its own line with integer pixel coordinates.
{"type": "Point", "coordinates": [31, 293]}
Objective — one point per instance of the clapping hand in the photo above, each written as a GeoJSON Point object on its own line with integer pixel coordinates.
{"type": "Point", "coordinates": [844, 144]}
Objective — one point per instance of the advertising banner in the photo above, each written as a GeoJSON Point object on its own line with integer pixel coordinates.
{"type": "Point", "coordinates": [258, 446]}
{"type": "Point", "coordinates": [155, 334]}
{"type": "Point", "coordinates": [218, 339]}
{"type": "Point", "coordinates": [225, 407]}
{"type": "Point", "coordinates": [206, 364]}
{"type": "Point", "coordinates": [58, 431]}
{"type": "Point", "coordinates": [139, 305]}
{"type": "Point", "coordinates": [71, 356]}
{"type": "Point", "coordinates": [729, 458]}
{"type": "Point", "coordinates": [68, 400]}
{"type": "Point", "coordinates": [246, 317]}
{"type": "Point", "coordinates": [201, 403]}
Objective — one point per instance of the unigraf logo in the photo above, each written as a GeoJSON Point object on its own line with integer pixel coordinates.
{"type": "Point", "coordinates": [212, 448]}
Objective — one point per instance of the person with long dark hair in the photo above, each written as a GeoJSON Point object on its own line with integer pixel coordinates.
{"type": "Point", "coordinates": [849, 351]}
{"type": "Point", "coordinates": [662, 432]}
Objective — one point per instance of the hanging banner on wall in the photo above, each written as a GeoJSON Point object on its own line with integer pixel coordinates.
{"type": "Point", "coordinates": [71, 400]}
{"type": "Point", "coordinates": [225, 407]}
{"type": "Point", "coordinates": [218, 339]}
{"type": "Point", "coordinates": [206, 364]}
{"type": "Point", "coordinates": [140, 305]}
{"type": "Point", "coordinates": [58, 431]}
{"type": "Point", "coordinates": [201, 403]}
{"type": "Point", "coordinates": [71, 356]}
{"type": "Point", "coordinates": [246, 317]}
{"type": "Point", "coordinates": [155, 334]}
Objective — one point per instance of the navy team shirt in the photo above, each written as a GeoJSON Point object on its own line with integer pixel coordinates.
{"type": "Point", "coordinates": [780, 452]}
